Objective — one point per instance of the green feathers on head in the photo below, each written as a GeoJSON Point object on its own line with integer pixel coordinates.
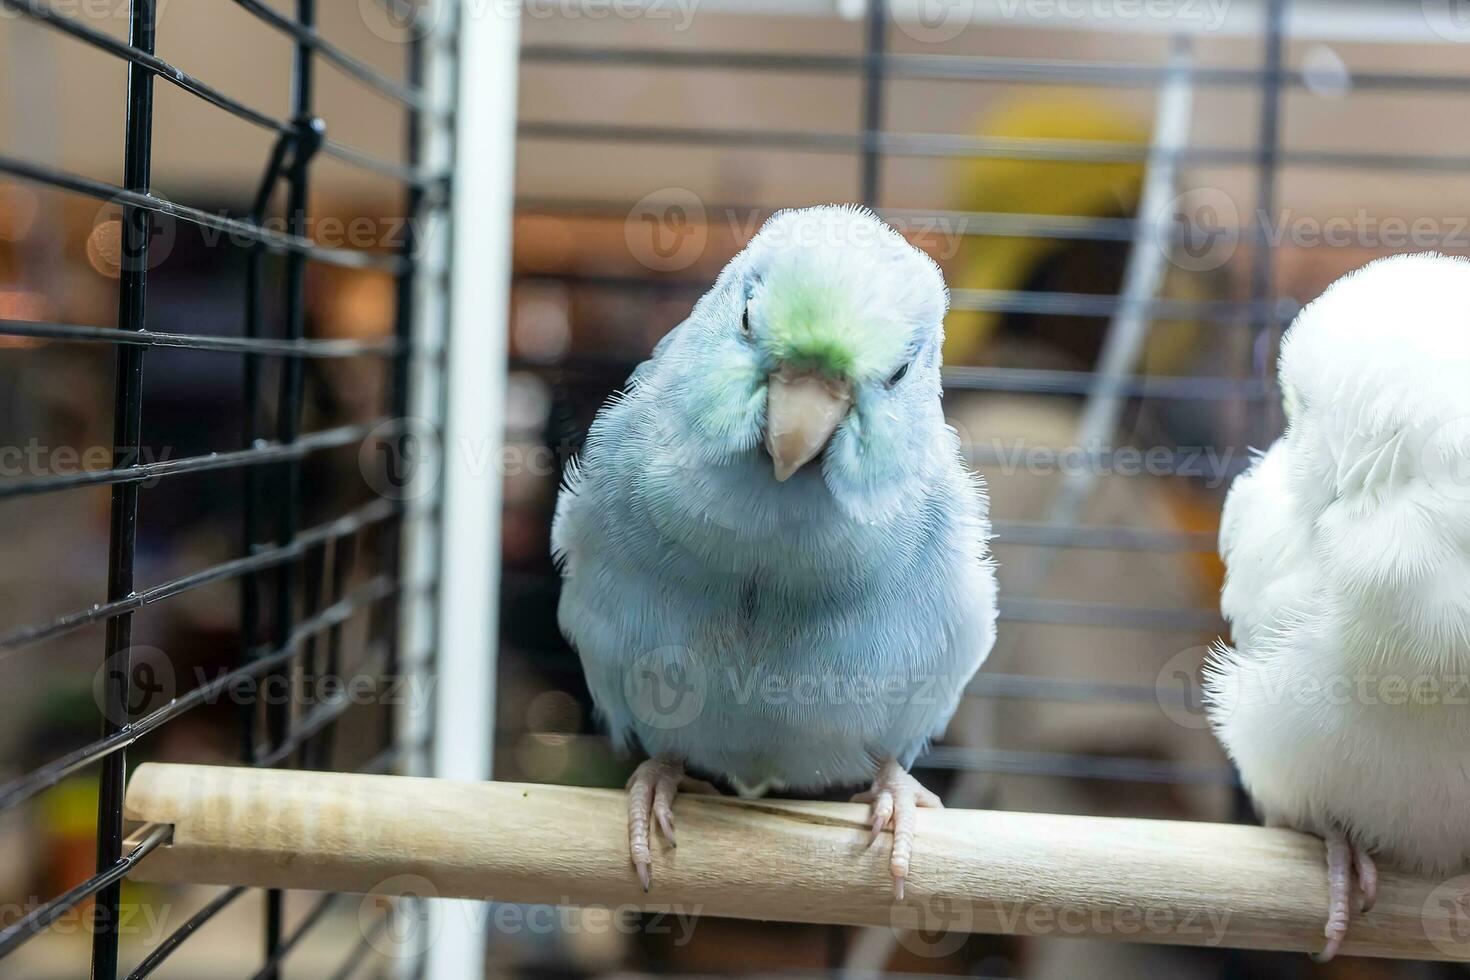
{"type": "Point", "coordinates": [811, 322]}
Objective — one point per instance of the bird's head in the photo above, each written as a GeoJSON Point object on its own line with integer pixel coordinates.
{"type": "Point", "coordinates": [821, 343]}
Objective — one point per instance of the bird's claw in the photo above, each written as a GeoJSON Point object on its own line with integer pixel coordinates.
{"type": "Point", "coordinates": [895, 797]}
{"type": "Point", "coordinates": [1367, 878]}
{"type": "Point", "coordinates": [666, 824]}
{"type": "Point", "coordinates": [651, 791]}
{"type": "Point", "coordinates": [878, 821]}
{"type": "Point", "coordinates": [1346, 863]}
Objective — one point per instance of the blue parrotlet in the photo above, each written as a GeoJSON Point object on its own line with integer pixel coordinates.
{"type": "Point", "coordinates": [776, 560]}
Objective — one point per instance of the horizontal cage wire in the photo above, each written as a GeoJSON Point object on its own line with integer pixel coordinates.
{"type": "Point", "coordinates": [299, 588]}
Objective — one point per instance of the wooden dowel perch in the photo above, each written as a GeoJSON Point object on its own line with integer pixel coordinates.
{"type": "Point", "coordinates": [979, 871]}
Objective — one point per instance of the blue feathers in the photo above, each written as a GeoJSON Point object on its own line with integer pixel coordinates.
{"type": "Point", "coordinates": [789, 634]}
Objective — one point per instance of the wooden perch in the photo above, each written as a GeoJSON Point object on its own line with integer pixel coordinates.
{"type": "Point", "coordinates": [973, 870]}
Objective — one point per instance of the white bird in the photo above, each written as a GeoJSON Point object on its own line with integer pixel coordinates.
{"type": "Point", "coordinates": [1345, 702]}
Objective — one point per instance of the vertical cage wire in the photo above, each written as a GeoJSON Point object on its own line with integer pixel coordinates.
{"type": "Point", "coordinates": [1263, 257]}
{"type": "Point", "coordinates": [874, 78]}
{"type": "Point", "coordinates": [122, 545]}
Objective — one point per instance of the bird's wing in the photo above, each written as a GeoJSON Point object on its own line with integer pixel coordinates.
{"type": "Point", "coordinates": [612, 609]}
{"type": "Point", "coordinates": [952, 582]}
{"type": "Point", "coordinates": [1265, 541]}
{"type": "Point", "coordinates": [601, 469]}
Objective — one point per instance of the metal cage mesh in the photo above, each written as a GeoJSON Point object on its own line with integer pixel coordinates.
{"type": "Point", "coordinates": [298, 586]}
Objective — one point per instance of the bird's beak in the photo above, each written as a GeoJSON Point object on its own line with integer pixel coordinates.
{"type": "Point", "coordinates": [802, 412]}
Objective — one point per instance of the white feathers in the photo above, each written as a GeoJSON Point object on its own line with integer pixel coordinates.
{"type": "Point", "coordinates": [1385, 342]}
{"type": "Point", "coordinates": [1346, 701]}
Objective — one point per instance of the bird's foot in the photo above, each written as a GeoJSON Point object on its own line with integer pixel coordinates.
{"type": "Point", "coordinates": [895, 797]}
{"type": "Point", "coordinates": [1345, 862]}
{"type": "Point", "coordinates": [651, 791]}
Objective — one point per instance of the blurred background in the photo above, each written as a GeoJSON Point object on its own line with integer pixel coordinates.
{"type": "Point", "coordinates": [1129, 200]}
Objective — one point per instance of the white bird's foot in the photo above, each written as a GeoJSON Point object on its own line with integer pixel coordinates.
{"type": "Point", "coordinates": [1345, 861]}
{"type": "Point", "coordinates": [895, 797]}
{"type": "Point", "coordinates": [651, 792]}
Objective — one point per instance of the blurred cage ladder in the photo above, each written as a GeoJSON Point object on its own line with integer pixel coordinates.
{"type": "Point", "coordinates": [1128, 313]}
{"type": "Point", "coordinates": [283, 565]}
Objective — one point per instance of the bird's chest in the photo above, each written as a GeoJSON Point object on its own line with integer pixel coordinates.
{"type": "Point", "coordinates": [734, 521]}
{"type": "Point", "coordinates": [1380, 752]}
{"type": "Point", "coordinates": [759, 615]}
{"type": "Point", "coordinates": [731, 627]}
{"type": "Point", "coordinates": [1406, 784]}
{"type": "Point", "coordinates": [795, 587]}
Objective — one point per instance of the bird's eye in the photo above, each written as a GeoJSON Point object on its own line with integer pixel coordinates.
{"type": "Point", "coordinates": [898, 375]}
{"type": "Point", "coordinates": [745, 321]}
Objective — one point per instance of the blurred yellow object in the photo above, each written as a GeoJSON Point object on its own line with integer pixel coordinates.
{"type": "Point", "coordinates": [1048, 187]}
{"type": "Point", "coordinates": [70, 808]}
{"type": "Point", "coordinates": [68, 816]}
